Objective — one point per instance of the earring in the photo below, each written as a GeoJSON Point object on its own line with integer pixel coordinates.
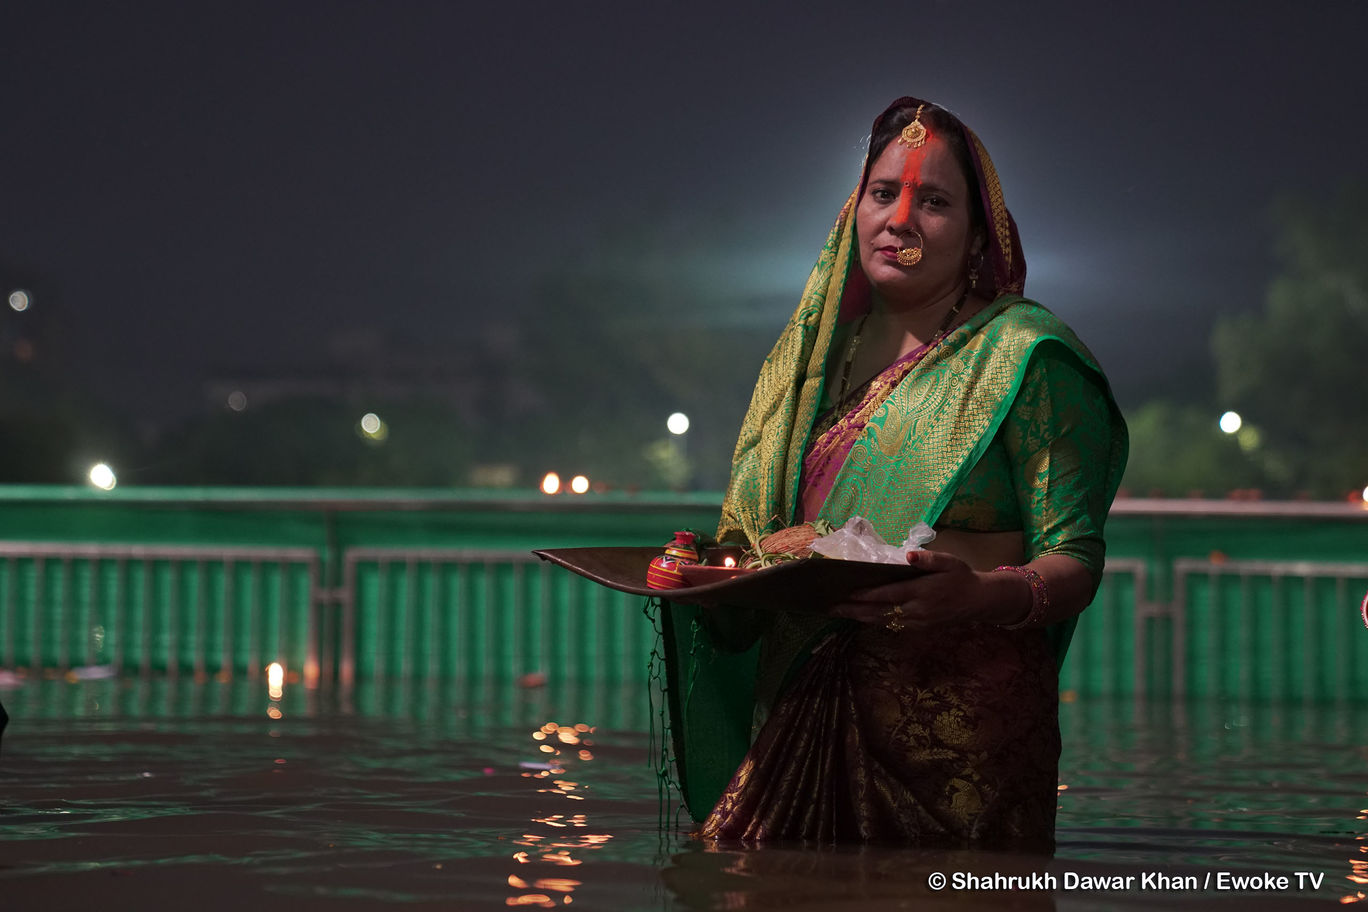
{"type": "Point", "coordinates": [974, 263]}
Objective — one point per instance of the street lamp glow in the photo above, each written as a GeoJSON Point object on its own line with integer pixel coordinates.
{"type": "Point", "coordinates": [102, 477]}
{"type": "Point", "coordinates": [579, 484]}
{"type": "Point", "coordinates": [678, 423]}
{"type": "Point", "coordinates": [551, 483]}
{"type": "Point", "coordinates": [372, 427]}
{"type": "Point", "coordinates": [1231, 422]}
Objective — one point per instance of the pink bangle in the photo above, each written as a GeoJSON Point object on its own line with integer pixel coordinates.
{"type": "Point", "coordinates": [1040, 597]}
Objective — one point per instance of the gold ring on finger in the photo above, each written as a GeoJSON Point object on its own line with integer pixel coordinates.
{"type": "Point", "coordinates": [894, 618]}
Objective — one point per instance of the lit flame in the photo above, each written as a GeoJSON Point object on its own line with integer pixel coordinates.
{"type": "Point", "coordinates": [729, 561]}
{"type": "Point", "coordinates": [275, 680]}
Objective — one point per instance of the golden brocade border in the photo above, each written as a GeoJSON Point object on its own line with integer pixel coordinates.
{"type": "Point", "coordinates": [995, 200]}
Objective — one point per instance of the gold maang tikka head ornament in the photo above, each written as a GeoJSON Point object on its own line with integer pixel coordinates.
{"type": "Point", "coordinates": [914, 137]}
{"type": "Point", "coordinates": [914, 134]}
{"type": "Point", "coordinates": [911, 256]}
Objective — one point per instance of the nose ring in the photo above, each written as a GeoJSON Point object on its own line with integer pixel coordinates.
{"type": "Point", "coordinates": [911, 256]}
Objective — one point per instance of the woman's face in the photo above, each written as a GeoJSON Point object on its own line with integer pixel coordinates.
{"type": "Point", "coordinates": [918, 190]}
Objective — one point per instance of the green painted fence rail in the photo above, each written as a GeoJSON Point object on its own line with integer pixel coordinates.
{"type": "Point", "coordinates": [1200, 598]}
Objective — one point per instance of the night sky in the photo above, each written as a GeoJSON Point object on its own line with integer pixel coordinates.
{"type": "Point", "coordinates": [211, 190]}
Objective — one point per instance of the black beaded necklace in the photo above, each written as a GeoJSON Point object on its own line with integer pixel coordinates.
{"type": "Point", "coordinates": [935, 340]}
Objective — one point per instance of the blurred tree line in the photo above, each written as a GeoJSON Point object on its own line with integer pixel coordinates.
{"type": "Point", "coordinates": [1293, 370]}
{"type": "Point", "coordinates": [578, 380]}
{"type": "Point", "coordinates": [582, 377]}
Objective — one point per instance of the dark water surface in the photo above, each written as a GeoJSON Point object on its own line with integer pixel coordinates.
{"type": "Point", "coordinates": [127, 794]}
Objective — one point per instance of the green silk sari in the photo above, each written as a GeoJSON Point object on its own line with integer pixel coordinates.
{"type": "Point", "coordinates": [918, 450]}
{"type": "Point", "coordinates": [917, 453]}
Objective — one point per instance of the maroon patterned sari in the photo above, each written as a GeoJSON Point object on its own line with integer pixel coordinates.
{"type": "Point", "coordinates": [949, 738]}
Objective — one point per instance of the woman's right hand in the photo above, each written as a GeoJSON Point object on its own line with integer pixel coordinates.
{"type": "Point", "coordinates": [949, 591]}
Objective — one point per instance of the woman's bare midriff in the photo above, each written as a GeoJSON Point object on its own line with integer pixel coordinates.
{"type": "Point", "coordinates": [984, 551]}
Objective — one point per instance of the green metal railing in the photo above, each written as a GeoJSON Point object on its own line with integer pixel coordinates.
{"type": "Point", "coordinates": [1199, 598]}
{"type": "Point", "coordinates": [162, 608]}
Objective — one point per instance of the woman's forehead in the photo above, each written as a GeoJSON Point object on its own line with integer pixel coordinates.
{"type": "Point", "coordinates": [932, 163]}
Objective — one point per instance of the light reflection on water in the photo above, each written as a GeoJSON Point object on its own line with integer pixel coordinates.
{"type": "Point", "coordinates": [486, 795]}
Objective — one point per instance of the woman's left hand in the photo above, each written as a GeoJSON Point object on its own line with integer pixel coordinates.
{"type": "Point", "coordinates": [949, 591]}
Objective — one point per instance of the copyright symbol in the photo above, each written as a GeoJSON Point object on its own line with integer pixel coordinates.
{"type": "Point", "coordinates": [936, 881]}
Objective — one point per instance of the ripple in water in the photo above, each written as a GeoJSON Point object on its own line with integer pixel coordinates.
{"type": "Point", "coordinates": [121, 794]}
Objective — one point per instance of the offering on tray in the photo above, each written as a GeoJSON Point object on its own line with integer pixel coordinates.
{"type": "Point", "coordinates": [857, 540]}
{"type": "Point", "coordinates": [802, 585]}
{"type": "Point", "coordinates": [802, 568]}
{"type": "Point", "coordinates": [792, 543]}
{"type": "Point", "coordinates": [664, 571]}
{"type": "Point", "coordinates": [703, 574]}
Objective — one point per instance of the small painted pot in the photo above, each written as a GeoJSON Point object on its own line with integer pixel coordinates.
{"type": "Point", "coordinates": [663, 573]}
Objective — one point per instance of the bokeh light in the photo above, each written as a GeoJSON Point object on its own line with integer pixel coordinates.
{"type": "Point", "coordinates": [678, 423]}
{"type": "Point", "coordinates": [237, 400]}
{"type": "Point", "coordinates": [551, 483]}
{"type": "Point", "coordinates": [579, 484]}
{"type": "Point", "coordinates": [102, 476]}
{"type": "Point", "coordinates": [19, 300]}
{"type": "Point", "coordinates": [1231, 422]}
{"type": "Point", "coordinates": [372, 427]}
{"type": "Point", "coordinates": [275, 680]}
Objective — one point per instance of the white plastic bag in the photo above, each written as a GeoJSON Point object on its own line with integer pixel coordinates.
{"type": "Point", "coordinates": [857, 540]}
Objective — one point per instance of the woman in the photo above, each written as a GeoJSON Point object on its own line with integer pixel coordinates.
{"type": "Point", "coordinates": [913, 384]}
